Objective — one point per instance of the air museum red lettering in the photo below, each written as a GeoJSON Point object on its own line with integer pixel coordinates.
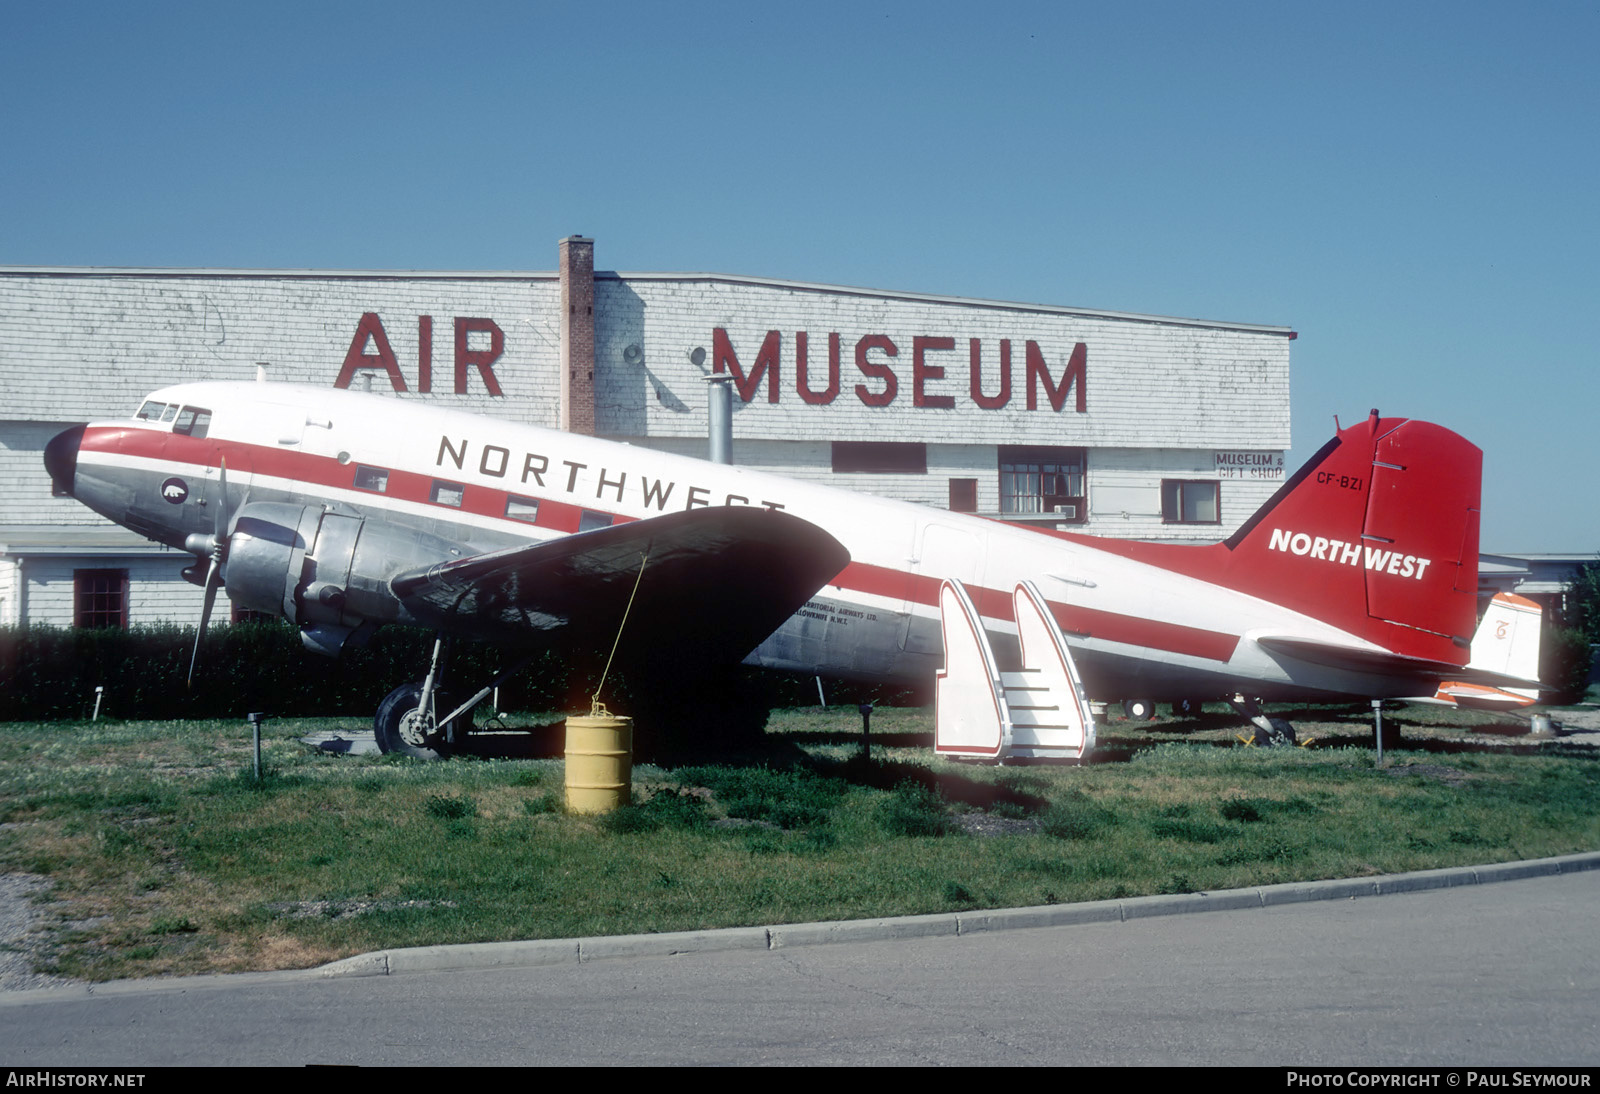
{"type": "Point", "coordinates": [370, 331]}
{"type": "Point", "coordinates": [922, 372]}
{"type": "Point", "coordinates": [802, 380]}
{"type": "Point", "coordinates": [975, 384]}
{"type": "Point", "coordinates": [1073, 376]}
{"type": "Point", "coordinates": [880, 384]}
{"type": "Point", "coordinates": [483, 360]}
{"type": "Point", "coordinates": [725, 360]}
{"type": "Point", "coordinates": [874, 370]}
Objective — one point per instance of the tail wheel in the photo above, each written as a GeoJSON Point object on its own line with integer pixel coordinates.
{"type": "Point", "coordinates": [400, 726]}
{"type": "Point", "coordinates": [1276, 733]}
{"type": "Point", "coordinates": [1138, 710]}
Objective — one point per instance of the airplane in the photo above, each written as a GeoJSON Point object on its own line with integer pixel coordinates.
{"type": "Point", "coordinates": [1507, 641]}
{"type": "Point", "coordinates": [343, 511]}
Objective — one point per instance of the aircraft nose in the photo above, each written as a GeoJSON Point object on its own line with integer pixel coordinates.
{"type": "Point", "coordinates": [61, 457]}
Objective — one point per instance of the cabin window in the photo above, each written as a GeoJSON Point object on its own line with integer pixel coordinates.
{"type": "Point", "coordinates": [523, 509]}
{"type": "Point", "coordinates": [592, 519]}
{"type": "Point", "coordinates": [100, 598]}
{"type": "Point", "coordinates": [447, 493]}
{"type": "Point", "coordinates": [1191, 501]}
{"type": "Point", "coordinates": [193, 422]}
{"type": "Point", "coordinates": [880, 457]}
{"type": "Point", "coordinates": [375, 479]}
{"type": "Point", "coordinates": [1043, 479]}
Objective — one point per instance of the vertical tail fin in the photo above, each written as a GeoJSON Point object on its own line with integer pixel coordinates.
{"type": "Point", "coordinates": [1377, 535]}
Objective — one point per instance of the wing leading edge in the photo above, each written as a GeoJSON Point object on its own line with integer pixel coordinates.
{"type": "Point", "coordinates": [716, 582]}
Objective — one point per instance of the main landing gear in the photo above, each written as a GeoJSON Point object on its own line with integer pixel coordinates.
{"type": "Point", "coordinates": [423, 720]}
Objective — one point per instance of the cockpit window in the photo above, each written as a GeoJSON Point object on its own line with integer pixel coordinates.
{"type": "Point", "coordinates": [193, 421]}
{"type": "Point", "coordinates": [151, 411]}
{"type": "Point", "coordinates": [170, 413]}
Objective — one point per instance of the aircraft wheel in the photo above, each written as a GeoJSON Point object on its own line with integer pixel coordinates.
{"type": "Point", "coordinates": [1276, 732]}
{"type": "Point", "coordinates": [1138, 710]}
{"type": "Point", "coordinates": [399, 727]}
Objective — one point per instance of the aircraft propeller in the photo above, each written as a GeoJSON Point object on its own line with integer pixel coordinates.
{"type": "Point", "coordinates": [212, 546]}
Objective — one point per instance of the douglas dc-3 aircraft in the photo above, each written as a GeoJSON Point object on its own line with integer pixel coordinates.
{"type": "Point", "coordinates": [342, 511]}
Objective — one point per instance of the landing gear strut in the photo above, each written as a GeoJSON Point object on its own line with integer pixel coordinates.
{"type": "Point", "coordinates": [424, 721]}
{"type": "Point", "coordinates": [408, 725]}
{"type": "Point", "coordinates": [1269, 731]}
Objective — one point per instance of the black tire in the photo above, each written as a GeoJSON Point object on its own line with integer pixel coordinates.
{"type": "Point", "coordinates": [1281, 734]}
{"type": "Point", "coordinates": [393, 729]}
{"type": "Point", "coordinates": [1138, 710]}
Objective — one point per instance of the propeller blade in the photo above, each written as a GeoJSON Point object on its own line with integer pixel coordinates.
{"type": "Point", "coordinates": [220, 515]}
{"type": "Point", "coordinates": [213, 583]}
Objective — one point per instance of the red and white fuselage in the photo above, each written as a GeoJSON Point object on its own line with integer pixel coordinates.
{"type": "Point", "coordinates": [1357, 579]}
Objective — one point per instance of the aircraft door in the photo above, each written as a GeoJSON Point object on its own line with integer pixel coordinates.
{"type": "Point", "coordinates": [943, 552]}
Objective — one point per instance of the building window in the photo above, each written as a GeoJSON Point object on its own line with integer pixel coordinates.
{"type": "Point", "coordinates": [1189, 501]}
{"type": "Point", "coordinates": [963, 495]}
{"type": "Point", "coordinates": [1043, 479]}
{"type": "Point", "coordinates": [100, 598]}
{"type": "Point", "coordinates": [447, 493]}
{"type": "Point", "coordinates": [880, 457]}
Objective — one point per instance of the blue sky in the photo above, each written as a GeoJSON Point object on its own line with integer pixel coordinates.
{"type": "Point", "coordinates": [1414, 187]}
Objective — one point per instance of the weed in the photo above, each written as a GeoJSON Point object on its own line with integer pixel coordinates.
{"type": "Point", "coordinates": [913, 810]}
{"type": "Point", "coordinates": [957, 893]}
{"type": "Point", "coordinates": [540, 804]}
{"type": "Point", "coordinates": [1243, 810]}
{"type": "Point", "coordinates": [170, 925]}
{"type": "Point", "coordinates": [1189, 830]}
{"type": "Point", "coordinates": [1076, 817]}
{"type": "Point", "coordinates": [443, 807]}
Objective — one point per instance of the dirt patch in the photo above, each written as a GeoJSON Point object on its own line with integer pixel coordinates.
{"type": "Point", "coordinates": [1450, 776]}
{"type": "Point", "coordinates": [986, 824]}
{"type": "Point", "coordinates": [27, 930]}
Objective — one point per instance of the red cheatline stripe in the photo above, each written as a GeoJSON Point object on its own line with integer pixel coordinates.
{"type": "Point", "coordinates": [1074, 620]}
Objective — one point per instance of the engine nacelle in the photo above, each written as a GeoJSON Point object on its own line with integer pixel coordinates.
{"type": "Point", "coordinates": [327, 571]}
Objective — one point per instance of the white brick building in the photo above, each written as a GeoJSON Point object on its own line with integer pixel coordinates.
{"type": "Point", "coordinates": [1113, 424]}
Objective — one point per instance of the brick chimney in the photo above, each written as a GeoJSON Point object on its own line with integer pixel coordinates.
{"type": "Point", "coordinates": [577, 335]}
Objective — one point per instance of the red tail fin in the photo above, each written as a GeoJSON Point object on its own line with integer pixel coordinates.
{"type": "Point", "coordinates": [1378, 535]}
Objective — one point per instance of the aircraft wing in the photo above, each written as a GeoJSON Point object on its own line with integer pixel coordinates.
{"type": "Point", "coordinates": [716, 582]}
{"type": "Point", "coordinates": [1385, 663]}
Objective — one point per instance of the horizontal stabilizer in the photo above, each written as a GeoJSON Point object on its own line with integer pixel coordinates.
{"type": "Point", "coordinates": [1384, 663]}
{"type": "Point", "coordinates": [716, 582]}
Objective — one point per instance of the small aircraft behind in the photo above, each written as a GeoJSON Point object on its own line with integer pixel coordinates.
{"type": "Point", "coordinates": [1507, 641]}
{"type": "Point", "coordinates": [342, 512]}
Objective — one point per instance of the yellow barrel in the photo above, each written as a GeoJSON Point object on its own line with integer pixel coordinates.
{"type": "Point", "coordinates": [599, 762]}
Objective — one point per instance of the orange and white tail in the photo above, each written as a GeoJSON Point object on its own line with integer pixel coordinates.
{"type": "Point", "coordinates": [1507, 643]}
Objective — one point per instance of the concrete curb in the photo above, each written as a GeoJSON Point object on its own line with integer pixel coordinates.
{"type": "Point", "coordinates": [583, 950]}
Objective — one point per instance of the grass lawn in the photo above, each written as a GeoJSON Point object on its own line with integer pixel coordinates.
{"type": "Point", "coordinates": [165, 855]}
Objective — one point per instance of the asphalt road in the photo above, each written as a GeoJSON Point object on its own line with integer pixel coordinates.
{"type": "Point", "coordinates": [1495, 974]}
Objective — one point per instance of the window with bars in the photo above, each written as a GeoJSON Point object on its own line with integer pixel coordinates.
{"type": "Point", "coordinates": [1040, 479]}
{"type": "Point", "coordinates": [100, 598]}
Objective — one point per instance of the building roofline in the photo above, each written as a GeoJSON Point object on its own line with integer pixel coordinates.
{"type": "Point", "coordinates": [629, 275]}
